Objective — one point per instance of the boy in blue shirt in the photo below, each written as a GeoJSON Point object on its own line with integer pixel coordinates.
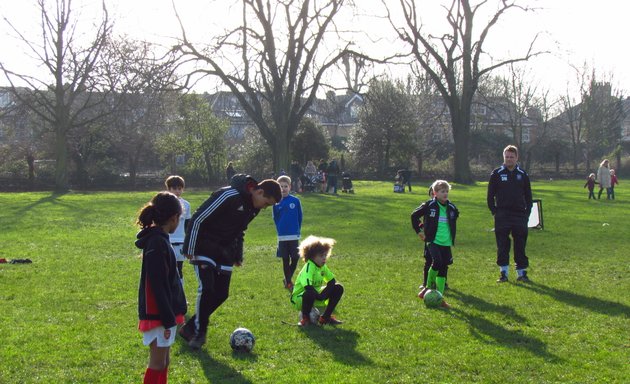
{"type": "Point", "coordinates": [287, 215]}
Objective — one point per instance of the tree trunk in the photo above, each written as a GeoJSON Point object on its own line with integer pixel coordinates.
{"type": "Point", "coordinates": [420, 163]}
{"type": "Point", "coordinates": [281, 152]}
{"type": "Point", "coordinates": [82, 176]}
{"type": "Point", "coordinates": [30, 160]}
{"type": "Point", "coordinates": [461, 137]}
{"type": "Point", "coordinates": [61, 160]}
{"type": "Point", "coordinates": [207, 157]}
{"type": "Point", "coordinates": [133, 169]}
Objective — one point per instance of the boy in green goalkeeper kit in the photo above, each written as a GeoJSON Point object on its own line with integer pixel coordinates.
{"type": "Point", "coordinates": [316, 284]}
{"type": "Point", "coordinates": [435, 223]}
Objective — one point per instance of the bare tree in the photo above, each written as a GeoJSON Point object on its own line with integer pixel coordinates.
{"type": "Point", "coordinates": [144, 92]}
{"type": "Point", "coordinates": [515, 99]}
{"type": "Point", "coordinates": [282, 58]}
{"type": "Point", "coordinates": [453, 63]}
{"type": "Point", "coordinates": [65, 96]}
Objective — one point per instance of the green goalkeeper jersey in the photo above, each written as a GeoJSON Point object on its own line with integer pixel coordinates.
{"type": "Point", "coordinates": [312, 275]}
{"type": "Point", "coordinates": [443, 236]}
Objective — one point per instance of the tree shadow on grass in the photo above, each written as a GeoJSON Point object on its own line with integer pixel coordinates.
{"type": "Point", "coordinates": [484, 329]}
{"type": "Point", "coordinates": [215, 371]}
{"type": "Point", "coordinates": [338, 341]}
{"type": "Point", "coordinates": [54, 196]}
{"type": "Point", "coordinates": [590, 303]}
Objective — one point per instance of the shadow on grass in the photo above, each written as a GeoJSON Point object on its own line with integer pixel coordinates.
{"type": "Point", "coordinates": [590, 303]}
{"type": "Point", "coordinates": [215, 371]}
{"type": "Point", "coordinates": [340, 342]}
{"type": "Point", "coordinates": [482, 328]}
{"type": "Point", "coordinates": [474, 301]}
{"type": "Point", "coordinates": [44, 200]}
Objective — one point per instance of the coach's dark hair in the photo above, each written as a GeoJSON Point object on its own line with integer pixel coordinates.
{"type": "Point", "coordinates": [161, 208]}
{"type": "Point", "coordinates": [271, 188]}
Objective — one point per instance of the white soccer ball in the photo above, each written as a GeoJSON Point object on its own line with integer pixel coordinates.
{"type": "Point", "coordinates": [314, 315]}
{"type": "Point", "coordinates": [242, 340]}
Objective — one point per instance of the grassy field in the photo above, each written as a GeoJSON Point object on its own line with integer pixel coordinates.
{"type": "Point", "coordinates": [70, 316]}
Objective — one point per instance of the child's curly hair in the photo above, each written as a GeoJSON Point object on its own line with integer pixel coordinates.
{"type": "Point", "coordinates": [315, 245]}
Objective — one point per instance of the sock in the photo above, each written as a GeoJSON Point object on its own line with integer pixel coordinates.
{"type": "Point", "coordinates": [440, 281]}
{"type": "Point", "coordinates": [504, 269]}
{"type": "Point", "coordinates": [431, 278]}
{"type": "Point", "coordinates": [151, 376]}
{"type": "Point", "coordinates": [520, 272]}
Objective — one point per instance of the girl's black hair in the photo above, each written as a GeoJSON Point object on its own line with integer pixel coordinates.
{"type": "Point", "coordinates": [161, 208]}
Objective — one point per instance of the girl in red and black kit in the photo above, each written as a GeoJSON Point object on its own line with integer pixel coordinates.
{"type": "Point", "coordinates": [161, 300]}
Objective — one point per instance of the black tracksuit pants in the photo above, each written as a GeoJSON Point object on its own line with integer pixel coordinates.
{"type": "Point", "coordinates": [506, 224]}
{"type": "Point", "coordinates": [214, 289]}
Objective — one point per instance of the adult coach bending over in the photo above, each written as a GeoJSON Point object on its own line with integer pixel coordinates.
{"type": "Point", "coordinates": [214, 241]}
{"type": "Point", "coordinates": [510, 201]}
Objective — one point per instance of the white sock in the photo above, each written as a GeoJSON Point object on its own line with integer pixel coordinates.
{"type": "Point", "coordinates": [504, 269]}
{"type": "Point", "coordinates": [520, 272]}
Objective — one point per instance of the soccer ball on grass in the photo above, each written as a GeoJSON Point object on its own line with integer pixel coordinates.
{"type": "Point", "coordinates": [314, 315]}
{"type": "Point", "coordinates": [242, 340]}
{"type": "Point", "coordinates": [433, 298]}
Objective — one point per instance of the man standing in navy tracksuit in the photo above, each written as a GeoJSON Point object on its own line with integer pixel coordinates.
{"type": "Point", "coordinates": [510, 201]}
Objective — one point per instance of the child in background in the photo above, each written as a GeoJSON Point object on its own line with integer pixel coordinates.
{"type": "Point", "coordinates": [590, 184]}
{"type": "Point", "coordinates": [613, 181]}
{"type": "Point", "coordinates": [161, 300]}
{"type": "Point", "coordinates": [175, 185]}
{"type": "Point", "coordinates": [316, 284]}
{"type": "Point", "coordinates": [287, 215]}
{"type": "Point", "coordinates": [435, 223]}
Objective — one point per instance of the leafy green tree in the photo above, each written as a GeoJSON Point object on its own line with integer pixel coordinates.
{"type": "Point", "coordinates": [309, 143]}
{"type": "Point", "coordinates": [204, 135]}
{"type": "Point", "coordinates": [386, 133]}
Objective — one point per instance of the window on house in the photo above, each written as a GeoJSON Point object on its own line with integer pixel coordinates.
{"type": "Point", "coordinates": [479, 109]}
{"type": "Point", "coordinates": [5, 100]}
{"type": "Point", "coordinates": [354, 111]}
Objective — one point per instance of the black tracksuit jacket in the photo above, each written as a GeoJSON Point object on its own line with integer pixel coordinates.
{"type": "Point", "coordinates": [510, 192]}
{"type": "Point", "coordinates": [429, 212]}
{"type": "Point", "coordinates": [160, 294]}
{"type": "Point", "coordinates": [217, 228]}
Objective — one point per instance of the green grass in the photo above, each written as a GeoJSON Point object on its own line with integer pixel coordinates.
{"type": "Point", "coordinates": [70, 317]}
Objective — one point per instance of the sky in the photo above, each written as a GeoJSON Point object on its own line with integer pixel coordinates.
{"type": "Point", "coordinates": [574, 32]}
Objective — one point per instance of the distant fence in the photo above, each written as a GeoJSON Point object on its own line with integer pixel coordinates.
{"type": "Point", "coordinates": [154, 181]}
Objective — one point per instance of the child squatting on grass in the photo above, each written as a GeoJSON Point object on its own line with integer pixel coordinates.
{"type": "Point", "coordinates": [316, 284]}
{"type": "Point", "coordinates": [435, 223]}
{"type": "Point", "coordinates": [161, 300]}
{"type": "Point", "coordinates": [287, 215]}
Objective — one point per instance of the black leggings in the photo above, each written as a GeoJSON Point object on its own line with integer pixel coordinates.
{"type": "Point", "coordinates": [332, 292]}
{"type": "Point", "coordinates": [214, 289]}
{"type": "Point", "coordinates": [288, 251]}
